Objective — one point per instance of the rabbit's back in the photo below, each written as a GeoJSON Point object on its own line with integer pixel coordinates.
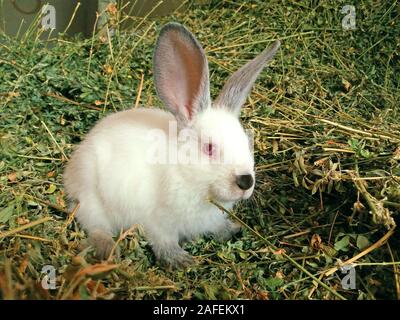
{"type": "Point", "coordinates": [148, 118]}
{"type": "Point", "coordinates": [111, 161]}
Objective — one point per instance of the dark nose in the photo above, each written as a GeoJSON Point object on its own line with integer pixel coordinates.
{"type": "Point", "coordinates": [244, 181]}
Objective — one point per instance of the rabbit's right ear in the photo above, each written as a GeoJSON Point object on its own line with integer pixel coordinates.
{"type": "Point", "coordinates": [181, 72]}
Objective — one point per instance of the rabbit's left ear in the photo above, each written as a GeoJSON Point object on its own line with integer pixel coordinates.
{"type": "Point", "coordinates": [235, 91]}
{"type": "Point", "coordinates": [181, 72]}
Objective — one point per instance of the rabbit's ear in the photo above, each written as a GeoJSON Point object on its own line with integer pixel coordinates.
{"type": "Point", "coordinates": [238, 87]}
{"type": "Point", "coordinates": [181, 72]}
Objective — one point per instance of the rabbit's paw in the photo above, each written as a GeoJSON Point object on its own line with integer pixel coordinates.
{"type": "Point", "coordinates": [103, 244]}
{"type": "Point", "coordinates": [226, 233]}
{"type": "Point", "coordinates": [175, 258]}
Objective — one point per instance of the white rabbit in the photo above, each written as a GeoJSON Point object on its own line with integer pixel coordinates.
{"type": "Point", "coordinates": [117, 185]}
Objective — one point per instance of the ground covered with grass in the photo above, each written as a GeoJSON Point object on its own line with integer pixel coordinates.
{"type": "Point", "coordinates": [326, 122]}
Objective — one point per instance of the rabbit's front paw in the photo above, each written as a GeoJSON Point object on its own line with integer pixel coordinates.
{"type": "Point", "coordinates": [226, 233]}
{"type": "Point", "coordinates": [175, 258]}
{"type": "Point", "coordinates": [103, 244]}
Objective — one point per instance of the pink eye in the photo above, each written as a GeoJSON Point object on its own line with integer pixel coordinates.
{"type": "Point", "coordinates": [209, 148]}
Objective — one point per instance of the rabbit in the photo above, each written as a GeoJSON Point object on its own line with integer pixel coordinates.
{"type": "Point", "coordinates": [116, 184]}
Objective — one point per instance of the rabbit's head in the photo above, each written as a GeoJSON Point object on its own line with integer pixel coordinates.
{"type": "Point", "coordinates": [221, 155]}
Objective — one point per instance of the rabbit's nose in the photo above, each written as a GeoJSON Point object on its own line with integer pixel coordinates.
{"type": "Point", "coordinates": [245, 181]}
